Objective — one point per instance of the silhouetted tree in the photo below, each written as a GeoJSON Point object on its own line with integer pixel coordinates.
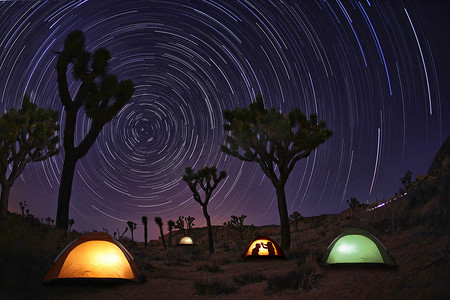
{"type": "Point", "coordinates": [145, 222]}
{"type": "Point", "coordinates": [406, 182]}
{"type": "Point", "coordinates": [295, 218]}
{"type": "Point", "coordinates": [23, 205]}
{"type": "Point", "coordinates": [207, 179]}
{"type": "Point", "coordinates": [100, 94]}
{"type": "Point", "coordinates": [117, 234]}
{"type": "Point", "coordinates": [189, 223]}
{"type": "Point", "coordinates": [315, 221]}
{"type": "Point", "coordinates": [28, 134]}
{"type": "Point", "coordinates": [276, 142]}
{"type": "Point", "coordinates": [237, 223]}
{"type": "Point", "coordinates": [70, 224]}
{"type": "Point", "coordinates": [159, 222]}
{"type": "Point", "coordinates": [353, 203]}
{"type": "Point", "coordinates": [170, 226]}
{"type": "Point", "coordinates": [180, 224]}
{"type": "Point", "coordinates": [132, 227]}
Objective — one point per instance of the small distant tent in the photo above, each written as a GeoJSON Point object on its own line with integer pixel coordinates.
{"type": "Point", "coordinates": [94, 255]}
{"type": "Point", "coordinates": [263, 246]}
{"type": "Point", "coordinates": [186, 241]}
{"type": "Point", "coordinates": [356, 245]}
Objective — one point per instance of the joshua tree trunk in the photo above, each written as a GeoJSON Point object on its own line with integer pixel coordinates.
{"type": "Point", "coordinates": [210, 233]}
{"type": "Point", "coordinates": [4, 199]}
{"type": "Point", "coordinates": [145, 235]}
{"type": "Point", "coordinates": [284, 217]}
{"type": "Point", "coordinates": [162, 237]}
{"type": "Point", "coordinates": [65, 190]}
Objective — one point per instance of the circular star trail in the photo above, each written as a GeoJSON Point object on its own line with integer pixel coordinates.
{"type": "Point", "coordinates": [376, 71]}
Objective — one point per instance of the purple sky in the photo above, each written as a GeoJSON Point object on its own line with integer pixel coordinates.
{"type": "Point", "coordinates": [376, 71]}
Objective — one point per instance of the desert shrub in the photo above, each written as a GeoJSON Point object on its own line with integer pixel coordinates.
{"type": "Point", "coordinates": [184, 254]}
{"type": "Point", "coordinates": [248, 277]}
{"type": "Point", "coordinates": [306, 255]}
{"type": "Point", "coordinates": [26, 252]}
{"type": "Point", "coordinates": [224, 258]}
{"type": "Point", "coordinates": [176, 257]}
{"type": "Point", "coordinates": [213, 287]}
{"type": "Point", "coordinates": [294, 280]}
{"type": "Point", "coordinates": [422, 193]}
{"type": "Point", "coordinates": [210, 266]}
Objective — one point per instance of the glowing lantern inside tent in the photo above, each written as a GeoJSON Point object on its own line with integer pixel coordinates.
{"type": "Point", "coordinates": [94, 255]}
{"type": "Point", "coordinates": [186, 241]}
{"type": "Point", "coordinates": [263, 247]}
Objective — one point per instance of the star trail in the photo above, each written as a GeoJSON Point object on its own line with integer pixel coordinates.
{"type": "Point", "coordinates": [376, 71]}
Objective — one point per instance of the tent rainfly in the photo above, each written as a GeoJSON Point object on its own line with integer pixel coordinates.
{"type": "Point", "coordinates": [263, 246]}
{"type": "Point", "coordinates": [186, 241]}
{"type": "Point", "coordinates": [94, 255]}
{"type": "Point", "coordinates": [356, 245]}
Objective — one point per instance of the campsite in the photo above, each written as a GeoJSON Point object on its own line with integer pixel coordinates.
{"type": "Point", "coordinates": [210, 149]}
{"type": "Point", "coordinates": [416, 235]}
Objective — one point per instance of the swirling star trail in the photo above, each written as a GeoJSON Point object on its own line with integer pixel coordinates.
{"type": "Point", "coordinates": [376, 71]}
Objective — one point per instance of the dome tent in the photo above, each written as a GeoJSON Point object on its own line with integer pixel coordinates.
{"type": "Point", "coordinates": [356, 245]}
{"type": "Point", "coordinates": [263, 247]}
{"type": "Point", "coordinates": [94, 255]}
{"type": "Point", "coordinates": [186, 241]}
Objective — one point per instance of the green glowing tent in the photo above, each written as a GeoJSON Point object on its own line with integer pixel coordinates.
{"type": "Point", "coordinates": [357, 246]}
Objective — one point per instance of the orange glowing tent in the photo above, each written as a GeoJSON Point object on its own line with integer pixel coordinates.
{"type": "Point", "coordinates": [94, 255]}
{"type": "Point", "coordinates": [263, 246]}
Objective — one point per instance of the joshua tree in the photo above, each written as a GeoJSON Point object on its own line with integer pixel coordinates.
{"type": "Point", "coordinates": [117, 234]}
{"type": "Point", "coordinates": [70, 224]}
{"type": "Point", "coordinates": [100, 94]}
{"type": "Point", "coordinates": [207, 179]}
{"type": "Point", "coordinates": [170, 226]}
{"type": "Point", "coordinates": [132, 227]}
{"type": "Point", "coordinates": [159, 222]}
{"type": "Point", "coordinates": [295, 218]}
{"type": "Point", "coordinates": [353, 203]}
{"type": "Point", "coordinates": [237, 223]}
{"type": "Point", "coordinates": [145, 222]}
{"type": "Point", "coordinates": [23, 205]}
{"type": "Point", "coordinates": [180, 224]}
{"type": "Point", "coordinates": [28, 134]}
{"type": "Point", "coordinates": [189, 223]}
{"type": "Point", "coordinates": [276, 142]}
{"type": "Point", "coordinates": [406, 182]}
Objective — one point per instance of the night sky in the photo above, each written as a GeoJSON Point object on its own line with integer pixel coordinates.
{"type": "Point", "coordinates": [378, 72]}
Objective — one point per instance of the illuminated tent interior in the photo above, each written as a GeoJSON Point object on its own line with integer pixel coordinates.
{"type": "Point", "coordinates": [94, 255]}
{"type": "Point", "coordinates": [357, 246]}
{"type": "Point", "coordinates": [186, 241]}
{"type": "Point", "coordinates": [263, 246]}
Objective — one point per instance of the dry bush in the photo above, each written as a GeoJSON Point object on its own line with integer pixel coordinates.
{"type": "Point", "coordinates": [248, 277]}
{"type": "Point", "coordinates": [302, 279]}
{"type": "Point", "coordinates": [211, 265]}
{"type": "Point", "coordinates": [307, 254]}
{"type": "Point", "coordinates": [183, 254]}
{"type": "Point", "coordinates": [213, 287]}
